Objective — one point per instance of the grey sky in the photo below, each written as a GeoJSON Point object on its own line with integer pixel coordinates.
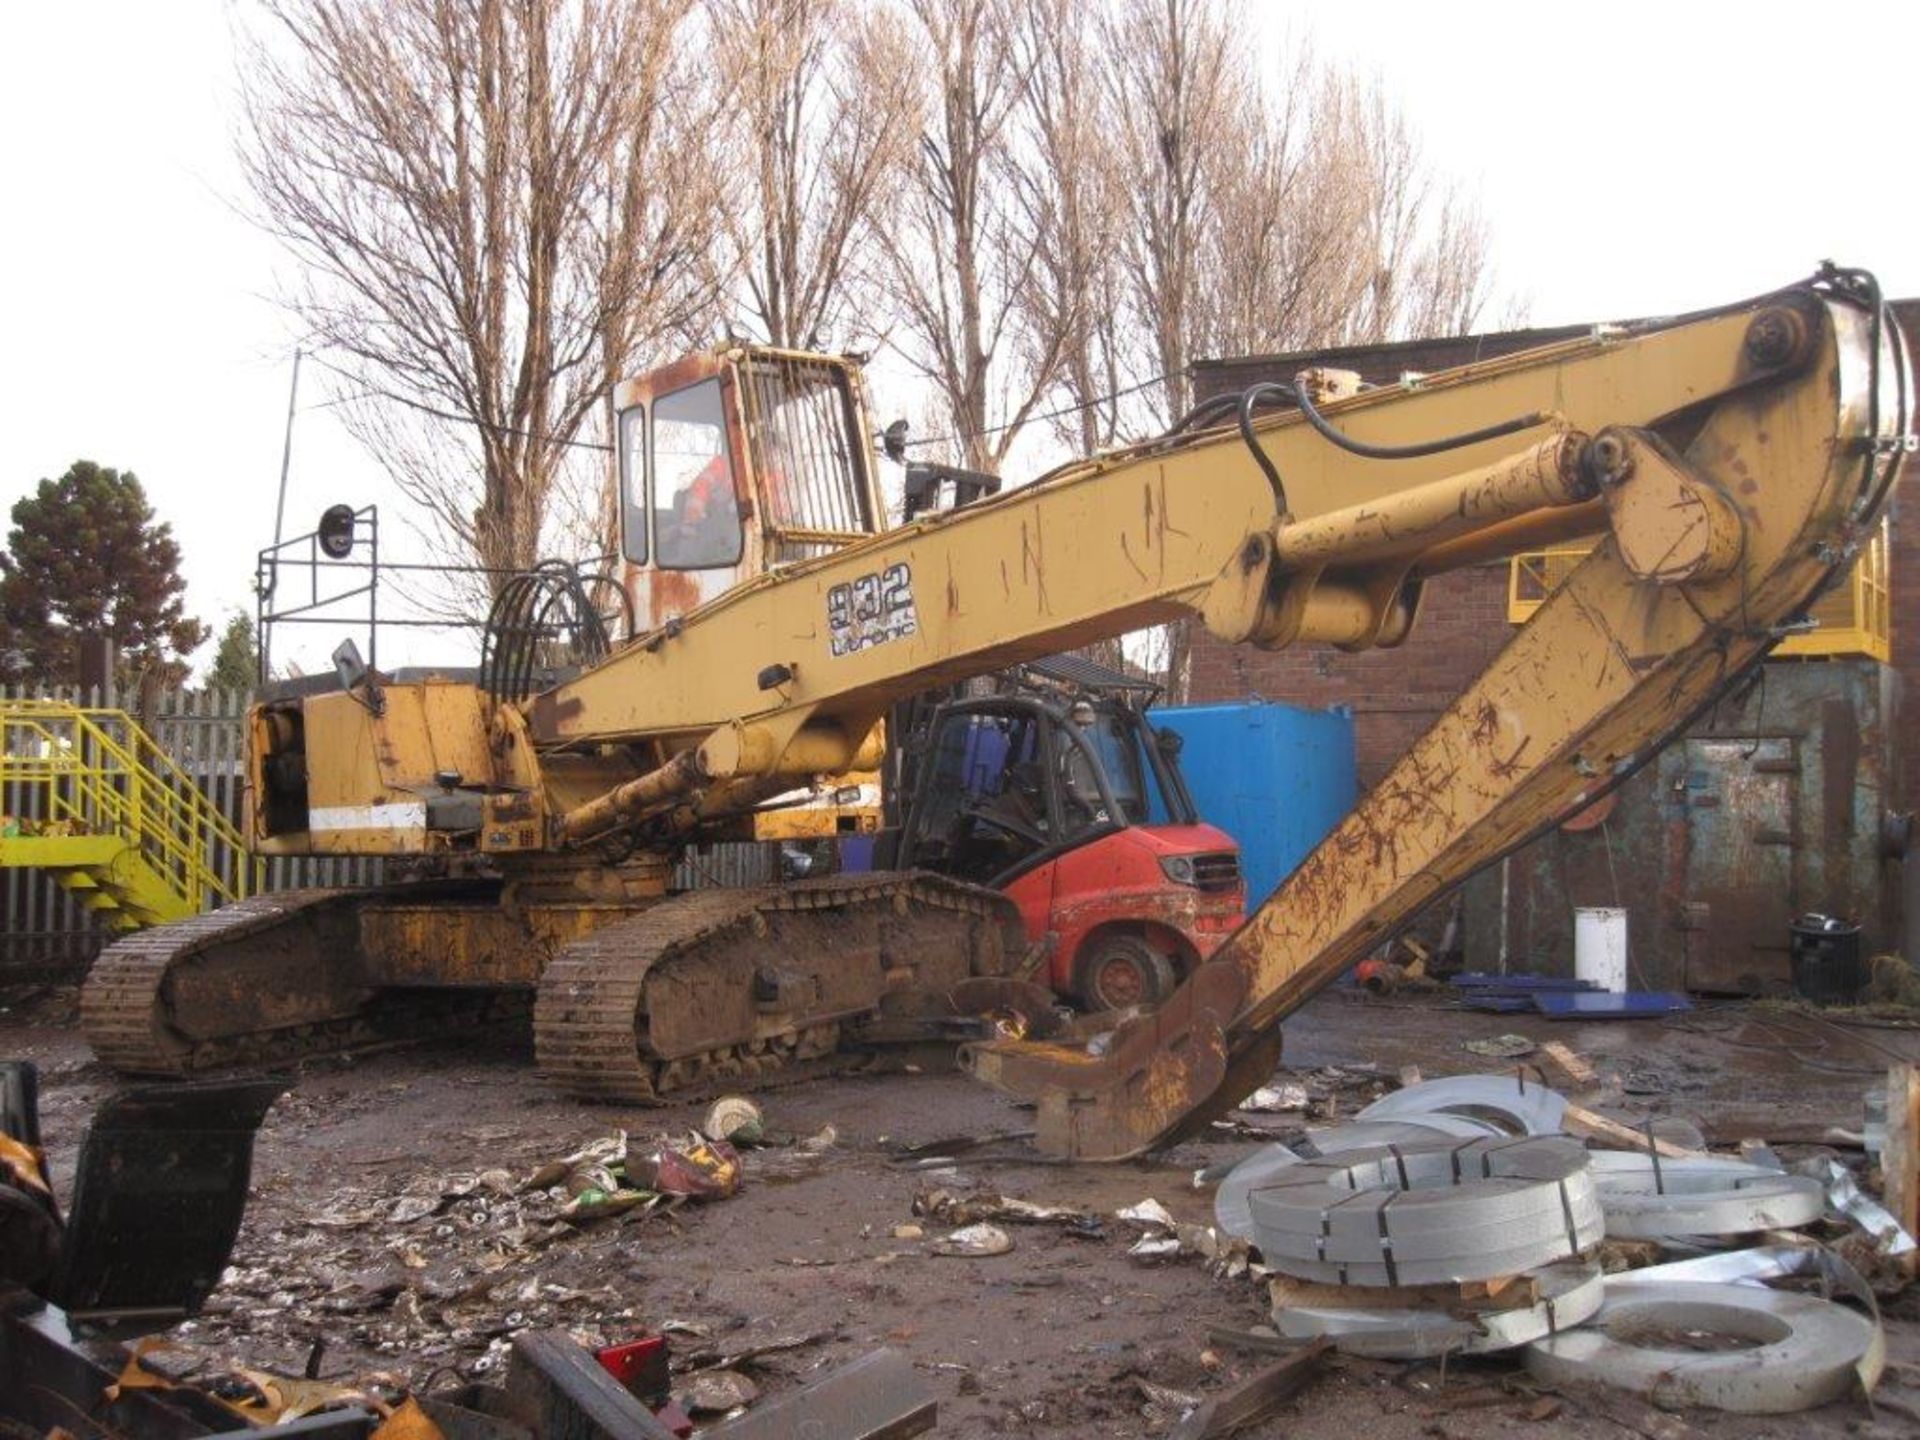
{"type": "Point", "coordinates": [1631, 159]}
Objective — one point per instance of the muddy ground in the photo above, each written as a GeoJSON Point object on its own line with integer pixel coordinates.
{"type": "Point", "coordinates": [1052, 1339]}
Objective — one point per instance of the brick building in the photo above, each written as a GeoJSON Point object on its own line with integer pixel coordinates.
{"type": "Point", "coordinates": [1768, 808]}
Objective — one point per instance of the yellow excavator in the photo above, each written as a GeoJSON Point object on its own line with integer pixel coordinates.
{"type": "Point", "coordinates": [1730, 465]}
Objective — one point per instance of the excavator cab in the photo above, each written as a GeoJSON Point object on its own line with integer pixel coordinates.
{"type": "Point", "coordinates": [734, 462]}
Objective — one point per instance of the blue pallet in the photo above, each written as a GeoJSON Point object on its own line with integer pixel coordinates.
{"type": "Point", "coordinates": [1477, 980]}
{"type": "Point", "coordinates": [1633, 1005]}
{"type": "Point", "coordinates": [1494, 1004]}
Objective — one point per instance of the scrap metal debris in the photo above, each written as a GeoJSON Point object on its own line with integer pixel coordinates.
{"type": "Point", "coordinates": [440, 1271]}
{"type": "Point", "coordinates": [1164, 1238]}
{"type": "Point", "coordinates": [1147, 1212]}
{"type": "Point", "coordinates": [1501, 1047]}
{"type": "Point", "coordinates": [951, 1207]}
{"type": "Point", "coordinates": [1276, 1098]}
{"type": "Point", "coordinates": [736, 1120]}
{"type": "Point", "coordinates": [974, 1242]}
{"type": "Point", "coordinates": [715, 1392]}
{"type": "Point", "coordinates": [1364, 1241]}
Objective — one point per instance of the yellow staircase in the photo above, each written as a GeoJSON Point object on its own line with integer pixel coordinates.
{"type": "Point", "coordinates": [88, 797]}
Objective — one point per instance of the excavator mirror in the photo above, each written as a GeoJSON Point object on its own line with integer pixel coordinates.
{"type": "Point", "coordinates": [335, 532]}
{"type": "Point", "coordinates": [893, 442]}
{"type": "Point", "coordinates": [348, 665]}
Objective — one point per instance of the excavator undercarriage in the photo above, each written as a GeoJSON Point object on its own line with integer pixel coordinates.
{"type": "Point", "coordinates": [1730, 465]}
{"type": "Point", "coordinates": [724, 987]}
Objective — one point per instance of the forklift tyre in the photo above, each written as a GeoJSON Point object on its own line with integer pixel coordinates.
{"type": "Point", "coordinates": [1121, 970]}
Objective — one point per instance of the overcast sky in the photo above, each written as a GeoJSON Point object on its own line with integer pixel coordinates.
{"type": "Point", "coordinates": [1631, 159]}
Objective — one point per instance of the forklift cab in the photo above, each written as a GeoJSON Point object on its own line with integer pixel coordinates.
{"type": "Point", "coordinates": [1006, 780]}
{"type": "Point", "coordinates": [734, 462]}
{"type": "Point", "coordinates": [1077, 810]}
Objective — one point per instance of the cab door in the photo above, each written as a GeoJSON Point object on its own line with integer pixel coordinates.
{"type": "Point", "coordinates": [984, 806]}
{"type": "Point", "coordinates": [735, 463]}
{"type": "Point", "coordinates": [683, 516]}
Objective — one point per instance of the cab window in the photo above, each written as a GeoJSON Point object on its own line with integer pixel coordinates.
{"type": "Point", "coordinates": [696, 515]}
{"type": "Point", "coordinates": [633, 484]}
{"type": "Point", "coordinates": [985, 808]}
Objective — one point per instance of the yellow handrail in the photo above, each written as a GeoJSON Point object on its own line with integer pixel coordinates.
{"type": "Point", "coordinates": [100, 773]}
{"type": "Point", "coordinates": [1854, 618]}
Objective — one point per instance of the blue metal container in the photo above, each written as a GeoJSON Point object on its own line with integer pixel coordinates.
{"type": "Point", "coordinates": [1275, 777]}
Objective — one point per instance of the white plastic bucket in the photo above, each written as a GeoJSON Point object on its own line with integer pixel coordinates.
{"type": "Point", "coordinates": [1600, 947]}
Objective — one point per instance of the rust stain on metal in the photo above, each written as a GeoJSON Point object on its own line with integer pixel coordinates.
{"type": "Point", "coordinates": [1167, 527]}
{"type": "Point", "coordinates": [1033, 546]}
{"type": "Point", "coordinates": [1506, 766]}
{"type": "Point", "coordinates": [1839, 770]}
{"type": "Point", "coordinates": [673, 592]}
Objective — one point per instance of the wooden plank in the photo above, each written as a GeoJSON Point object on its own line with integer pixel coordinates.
{"type": "Point", "coordinates": [1264, 1341]}
{"type": "Point", "coordinates": [1900, 1160]}
{"type": "Point", "coordinates": [1480, 1295]}
{"type": "Point", "coordinates": [1590, 1126]}
{"type": "Point", "coordinates": [1256, 1397]}
{"type": "Point", "coordinates": [1569, 1063]}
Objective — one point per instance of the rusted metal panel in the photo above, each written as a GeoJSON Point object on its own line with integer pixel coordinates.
{"type": "Point", "coordinates": [1739, 801]}
{"type": "Point", "coordinates": [471, 947]}
{"type": "Point", "coordinates": [1772, 806]}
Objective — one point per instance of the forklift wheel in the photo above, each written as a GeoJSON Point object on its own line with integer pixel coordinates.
{"type": "Point", "coordinates": [1123, 970]}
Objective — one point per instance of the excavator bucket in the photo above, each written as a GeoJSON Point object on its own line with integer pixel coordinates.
{"type": "Point", "coordinates": [157, 1198]}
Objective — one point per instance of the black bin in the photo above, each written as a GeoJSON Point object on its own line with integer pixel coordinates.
{"type": "Point", "coordinates": [1827, 968]}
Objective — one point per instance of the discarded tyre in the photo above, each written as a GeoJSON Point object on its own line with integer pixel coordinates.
{"type": "Point", "coordinates": [1429, 1214]}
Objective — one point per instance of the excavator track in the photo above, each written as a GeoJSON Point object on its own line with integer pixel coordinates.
{"type": "Point", "coordinates": [143, 1002]}
{"type": "Point", "coordinates": [611, 1019]}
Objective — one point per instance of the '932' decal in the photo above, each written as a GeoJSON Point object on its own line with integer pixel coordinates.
{"type": "Point", "coordinates": [871, 610]}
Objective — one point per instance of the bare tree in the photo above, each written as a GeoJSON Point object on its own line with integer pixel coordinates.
{"type": "Point", "coordinates": [499, 205]}
{"type": "Point", "coordinates": [1065, 184]}
{"type": "Point", "coordinates": [1281, 258]}
{"type": "Point", "coordinates": [1264, 212]}
{"type": "Point", "coordinates": [821, 98]}
{"type": "Point", "coordinates": [1182, 95]}
{"type": "Point", "coordinates": [963, 258]}
{"type": "Point", "coordinates": [1425, 240]}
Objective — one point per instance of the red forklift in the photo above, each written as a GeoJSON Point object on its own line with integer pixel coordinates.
{"type": "Point", "coordinates": [1055, 788]}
